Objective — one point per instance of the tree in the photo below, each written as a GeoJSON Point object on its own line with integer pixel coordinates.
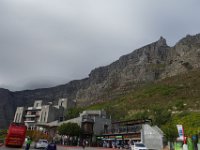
{"type": "Point", "coordinates": [73, 113]}
{"type": "Point", "coordinates": [170, 131]}
{"type": "Point", "coordinates": [160, 116]}
{"type": "Point", "coordinates": [71, 129]}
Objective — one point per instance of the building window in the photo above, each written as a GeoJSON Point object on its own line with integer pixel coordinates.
{"type": "Point", "coordinates": [37, 104]}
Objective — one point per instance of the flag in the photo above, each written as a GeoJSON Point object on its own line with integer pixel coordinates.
{"type": "Point", "coordinates": [180, 132]}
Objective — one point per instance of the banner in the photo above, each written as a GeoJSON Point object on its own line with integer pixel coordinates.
{"type": "Point", "coordinates": [180, 132]}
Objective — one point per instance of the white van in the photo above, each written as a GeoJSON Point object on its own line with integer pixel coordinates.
{"type": "Point", "coordinates": [138, 146]}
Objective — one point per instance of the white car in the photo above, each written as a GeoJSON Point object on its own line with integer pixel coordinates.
{"type": "Point", "coordinates": [138, 146]}
{"type": "Point", "coordinates": [42, 143]}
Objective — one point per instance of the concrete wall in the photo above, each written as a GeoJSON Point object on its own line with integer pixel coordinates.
{"type": "Point", "coordinates": [94, 113]}
{"type": "Point", "coordinates": [37, 103]}
{"type": "Point", "coordinates": [19, 114]}
{"type": "Point", "coordinates": [152, 137]}
{"type": "Point", "coordinates": [77, 120]}
{"type": "Point", "coordinates": [49, 114]}
{"type": "Point", "coordinates": [55, 113]}
{"type": "Point", "coordinates": [64, 102]}
{"type": "Point", "coordinates": [99, 123]}
{"type": "Point", "coordinates": [44, 114]}
{"type": "Point", "coordinates": [98, 127]}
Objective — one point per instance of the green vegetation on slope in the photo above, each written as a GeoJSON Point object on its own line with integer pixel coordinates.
{"type": "Point", "coordinates": [174, 94]}
{"type": "Point", "coordinates": [162, 101]}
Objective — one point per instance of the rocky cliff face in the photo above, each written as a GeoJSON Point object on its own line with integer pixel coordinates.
{"type": "Point", "coordinates": [142, 65]}
{"type": "Point", "coordinates": [184, 56]}
{"type": "Point", "coordinates": [7, 107]}
{"type": "Point", "coordinates": [149, 63]}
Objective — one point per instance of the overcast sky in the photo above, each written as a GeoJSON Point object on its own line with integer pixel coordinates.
{"type": "Point", "coordinates": [44, 43]}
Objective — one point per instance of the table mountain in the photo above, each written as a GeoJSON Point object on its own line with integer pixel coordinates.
{"type": "Point", "coordinates": [152, 62]}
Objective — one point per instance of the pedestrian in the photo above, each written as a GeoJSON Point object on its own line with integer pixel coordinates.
{"type": "Point", "coordinates": [129, 143]}
{"type": "Point", "coordinates": [86, 142]}
{"type": "Point", "coordinates": [28, 143]}
{"type": "Point", "coordinates": [113, 144]}
{"type": "Point", "coordinates": [83, 144]}
{"type": "Point", "coordinates": [104, 144]}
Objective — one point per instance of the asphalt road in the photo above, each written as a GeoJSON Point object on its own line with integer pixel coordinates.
{"type": "Point", "coordinates": [59, 148]}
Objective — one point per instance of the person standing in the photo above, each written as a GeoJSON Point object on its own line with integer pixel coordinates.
{"type": "Point", "coordinates": [28, 143]}
{"type": "Point", "coordinates": [83, 144]}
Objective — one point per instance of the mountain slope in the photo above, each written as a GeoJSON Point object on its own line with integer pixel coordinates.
{"type": "Point", "coordinates": [152, 62]}
{"type": "Point", "coordinates": [177, 93]}
{"type": "Point", "coordinates": [7, 107]}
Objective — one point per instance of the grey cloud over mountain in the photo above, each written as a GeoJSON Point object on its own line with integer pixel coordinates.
{"type": "Point", "coordinates": [46, 43]}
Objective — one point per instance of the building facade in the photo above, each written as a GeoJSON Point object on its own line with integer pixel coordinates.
{"type": "Point", "coordinates": [92, 123]}
{"type": "Point", "coordinates": [38, 114]}
{"type": "Point", "coordinates": [97, 128]}
{"type": "Point", "coordinates": [123, 132]}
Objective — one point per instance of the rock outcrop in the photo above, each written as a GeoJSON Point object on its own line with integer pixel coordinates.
{"type": "Point", "coordinates": [152, 62]}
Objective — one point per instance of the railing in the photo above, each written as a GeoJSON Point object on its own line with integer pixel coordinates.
{"type": "Point", "coordinates": [29, 121]}
{"type": "Point", "coordinates": [30, 108]}
{"type": "Point", "coordinates": [30, 115]}
{"type": "Point", "coordinates": [39, 107]}
{"type": "Point", "coordinates": [34, 108]}
{"type": "Point", "coordinates": [124, 129]}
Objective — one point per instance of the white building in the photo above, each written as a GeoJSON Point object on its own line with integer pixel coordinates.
{"type": "Point", "coordinates": [40, 114]}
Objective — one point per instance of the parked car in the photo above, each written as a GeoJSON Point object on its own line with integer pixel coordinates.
{"type": "Point", "coordinates": [51, 146]}
{"type": "Point", "coordinates": [138, 146]}
{"type": "Point", "coordinates": [42, 143]}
